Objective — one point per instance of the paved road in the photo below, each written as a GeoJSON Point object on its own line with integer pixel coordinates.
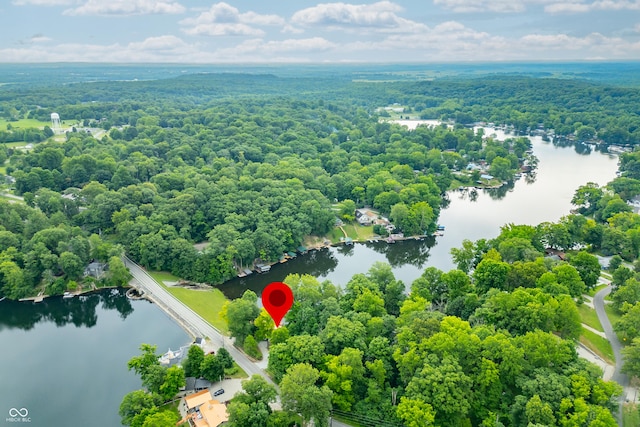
{"type": "Point", "coordinates": [193, 323]}
{"type": "Point", "coordinates": [618, 376]}
{"type": "Point", "coordinates": [189, 319]}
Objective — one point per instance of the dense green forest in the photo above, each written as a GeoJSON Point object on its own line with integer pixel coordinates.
{"type": "Point", "coordinates": [253, 164]}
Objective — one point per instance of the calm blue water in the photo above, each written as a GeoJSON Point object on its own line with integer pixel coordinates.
{"type": "Point", "coordinates": [65, 360]}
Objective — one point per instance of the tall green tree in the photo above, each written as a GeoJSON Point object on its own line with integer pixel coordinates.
{"type": "Point", "coordinates": [300, 394]}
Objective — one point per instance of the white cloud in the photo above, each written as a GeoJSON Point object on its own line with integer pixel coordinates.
{"type": "Point", "coordinates": [380, 16]}
{"type": "Point", "coordinates": [581, 7]}
{"type": "Point", "coordinates": [153, 49]}
{"type": "Point", "coordinates": [223, 19]}
{"type": "Point", "coordinates": [126, 7]}
{"type": "Point", "coordinates": [466, 6]}
{"type": "Point", "coordinates": [40, 38]}
{"type": "Point", "coordinates": [567, 7]}
{"type": "Point", "coordinates": [44, 2]}
{"type": "Point", "coordinates": [550, 6]}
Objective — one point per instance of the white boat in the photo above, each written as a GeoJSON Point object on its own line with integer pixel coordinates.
{"type": "Point", "coordinates": [68, 295]}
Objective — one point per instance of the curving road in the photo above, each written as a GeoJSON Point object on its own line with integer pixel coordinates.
{"type": "Point", "coordinates": [618, 376]}
{"type": "Point", "coordinates": [194, 324]}
{"type": "Point", "coordinates": [188, 319]}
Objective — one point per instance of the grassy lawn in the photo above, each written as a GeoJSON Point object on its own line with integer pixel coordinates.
{"type": "Point", "coordinates": [206, 303]}
{"type": "Point", "coordinates": [351, 231]}
{"type": "Point", "coordinates": [11, 199]}
{"type": "Point", "coordinates": [335, 234]}
{"type": "Point", "coordinates": [16, 144]}
{"type": "Point", "coordinates": [598, 345]}
{"type": "Point", "coordinates": [630, 415]}
{"type": "Point", "coordinates": [612, 314]}
{"type": "Point", "coordinates": [595, 290]}
{"type": "Point", "coordinates": [163, 276]}
{"type": "Point", "coordinates": [23, 124]}
{"type": "Point", "coordinates": [606, 275]}
{"type": "Point", "coordinates": [589, 317]}
{"type": "Point", "coordinates": [235, 372]}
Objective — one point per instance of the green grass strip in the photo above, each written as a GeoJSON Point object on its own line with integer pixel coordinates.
{"type": "Point", "coordinates": [207, 303]}
{"type": "Point", "coordinates": [588, 316]}
{"type": "Point", "coordinates": [598, 345]}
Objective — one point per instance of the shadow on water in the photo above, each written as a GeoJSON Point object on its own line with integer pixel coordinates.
{"type": "Point", "coordinates": [78, 311]}
{"type": "Point", "coordinates": [321, 262]}
{"type": "Point", "coordinates": [314, 262]}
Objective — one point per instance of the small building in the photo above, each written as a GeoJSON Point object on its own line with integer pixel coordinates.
{"type": "Point", "coordinates": [486, 177]}
{"type": "Point", "coordinates": [366, 216]}
{"type": "Point", "coordinates": [95, 269]}
{"type": "Point", "coordinates": [196, 384]}
{"type": "Point", "coordinates": [262, 268]}
{"type": "Point", "coordinates": [203, 411]}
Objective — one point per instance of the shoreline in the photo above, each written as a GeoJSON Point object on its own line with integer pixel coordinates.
{"type": "Point", "coordinates": [39, 298]}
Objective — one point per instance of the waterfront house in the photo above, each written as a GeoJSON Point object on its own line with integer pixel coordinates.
{"type": "Point", "coordinates": [203, 411]}
{"type": "Point", "coordinates": [95, 269]}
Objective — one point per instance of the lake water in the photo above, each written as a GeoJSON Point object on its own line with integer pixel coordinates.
{"type": "Point", "coordinates": [65, 360]}
{"type": "Point", "coordinates": [470, 215]}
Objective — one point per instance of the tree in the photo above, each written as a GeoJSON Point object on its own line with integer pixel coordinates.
{"type": "Point", "coordinates": [539, 412]}
{"type": "Point", "coordinates": [588, 267]}
{"type": "Point", "coordinates": [247, 415]}
{"type": "Point", "coordinates": [193, 362]}
{"type": "Point", "coordinates": [133, 404]}
{"type": "Point", "coordinates": [344, 375]}
{"type": "Point", "coordinates": [71, 264]}
{"type": "Point", "coordinates": [211, 368]}
{"type": "Point", "coordinates": [241, 313]}
{"type": "Point", "coordinates": [264, 326]}
{"type": "Point", "coordinates": [300, 394]}
{"type": "Point", "coordinates": [416, 412]}
{"type": "Point", "coordinates": [141, 364]}
{"type": "Point", "coordinates": [347, 210]}
{"type": "Point", "coordinates": [251, 347]}
{"type": "Point", "coordinates": [118, 273]}
{"type": "Point", "coordinates": [174, 381]}
{"type": "Point", "coordinates": [586, 198]}
{"type": "Point", "coordinates": [257, 390]}
{"type": "Point", "coordinates": [161, 419]}
{"type": "Point", "coordinates": [464, 257]}
{"type": "Point", "coordinates": [500, 168]}
{"type": "Point", "coordinates": [626, 295]}
{"type": "Point", "coordinates": [225, 358]}
{"type": "Point", "coordinates": [631, 355]}
{"type": "Point", "coordinates": [490, 274]}
{"type": "Point", "coordinates": [341, 332]}
{"type": "Point", "coordinates": [567, 275]}
{"type": "Point", "coordinates": [443, 382]}
{"type": "Point", "coordinates": [154, 378]}
{"type": "Point", "coordinates": [297, 349]}
{"type": "Point", "coordinates": [629, 324]}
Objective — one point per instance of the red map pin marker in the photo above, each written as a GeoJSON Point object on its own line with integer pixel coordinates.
{"type": "Point", "coordinates": [277, 299]}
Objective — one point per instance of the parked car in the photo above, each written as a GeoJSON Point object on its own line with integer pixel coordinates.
{"type": "Point", "coordinates": [218, 392]}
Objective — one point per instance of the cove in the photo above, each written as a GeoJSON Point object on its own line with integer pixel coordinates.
{"type": "Point", "coordinates": [65, 360]}
{"type": "Point", "coordinates": [543, 196]}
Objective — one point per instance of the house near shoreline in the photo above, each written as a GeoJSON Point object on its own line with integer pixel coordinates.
{"type": "Point", "coordinates": [203, 411]}
{"type": "Point", "coordinates": [366, 216]}
{"type": "Point", "coordinates": [95, 269]}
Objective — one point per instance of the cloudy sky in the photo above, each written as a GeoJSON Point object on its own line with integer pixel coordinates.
{"type": "Point", "coordinates": [204, 31]}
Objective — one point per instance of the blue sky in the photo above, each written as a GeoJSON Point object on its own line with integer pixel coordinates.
{"type": "Point", "coordinates": [201, 31]}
